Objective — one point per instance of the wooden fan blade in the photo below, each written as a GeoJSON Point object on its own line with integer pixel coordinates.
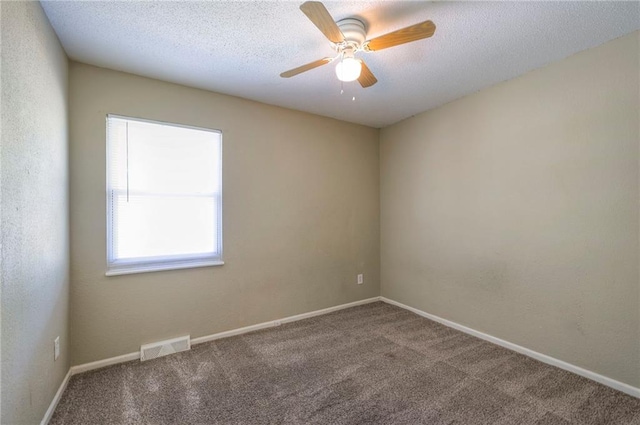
{"type": "Point", "coordinates": [304, 68]}
{"type": "Point", "coordinates": [405, 35]}
{"type": "Point", "coordinates": [321, 18]}
{"type": "Point", "coordinates": [366, 78]}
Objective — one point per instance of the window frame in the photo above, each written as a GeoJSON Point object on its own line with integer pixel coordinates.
{"type": "Point", "coordinates": [115, 267]}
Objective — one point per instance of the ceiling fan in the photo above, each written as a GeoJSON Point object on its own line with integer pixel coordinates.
{"type": "Point", "coordinates": [348, 37]}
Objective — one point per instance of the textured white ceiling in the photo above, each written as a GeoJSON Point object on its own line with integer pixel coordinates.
{"type": "Point", "coordinates": [240, 48]}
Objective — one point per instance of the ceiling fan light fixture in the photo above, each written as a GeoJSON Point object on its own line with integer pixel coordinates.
{"type": "Point", "coordinates": [348, 37]}
{"type": "Point", "coordinates": [348, 69]}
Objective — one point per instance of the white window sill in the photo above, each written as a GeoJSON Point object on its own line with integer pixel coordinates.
{"type": "Point", "coordinates": [147, 268]}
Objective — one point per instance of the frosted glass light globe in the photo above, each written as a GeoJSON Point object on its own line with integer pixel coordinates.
{"type": "Point", "coordinates": [348, 69]}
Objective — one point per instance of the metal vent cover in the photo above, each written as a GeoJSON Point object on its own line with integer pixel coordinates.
{"type": "Point", "coordinates": [163, 348]}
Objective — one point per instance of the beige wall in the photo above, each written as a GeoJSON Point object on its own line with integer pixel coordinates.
{"type": "Point", "coordinates": [514, 211]}
{"type": "Point", "coordinates": [301, 217]}
{"type": "Point", "coordinates": [34, 226]}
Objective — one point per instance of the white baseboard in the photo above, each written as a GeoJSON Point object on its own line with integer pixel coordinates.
{"type": "Point", "coordinates": [136, 355]}
{"type": "Point", "coordinates": [279, 322]}
{"type": "Point", "coordinates": [104, 363]}
{"type": "Point", "coordinates": [56, 399]}
{"type": "Point", "coordinates": [620, 386]}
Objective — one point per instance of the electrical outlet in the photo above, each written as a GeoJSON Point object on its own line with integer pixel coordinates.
{"type": "Point", "coordinates": [56, 348]}
{"type": "Point", "coordinates": [360, 279]}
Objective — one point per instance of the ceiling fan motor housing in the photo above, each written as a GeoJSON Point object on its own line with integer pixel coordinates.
{"type": "Point", "coordinates": [353, 30]}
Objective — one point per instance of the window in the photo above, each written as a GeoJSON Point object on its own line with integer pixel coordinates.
{"type": "Point", "coordinates": [164, 196]}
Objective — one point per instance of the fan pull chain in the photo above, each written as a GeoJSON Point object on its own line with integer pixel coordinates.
{"type": "Point", "coordinates": [353, 98]}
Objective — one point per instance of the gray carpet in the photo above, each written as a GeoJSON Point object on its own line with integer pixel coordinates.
{"type": "Point", "coordinates": [370, 364]}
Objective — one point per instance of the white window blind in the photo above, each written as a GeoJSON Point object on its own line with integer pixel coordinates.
{"type": "Point", "coordinates": [164, 196]}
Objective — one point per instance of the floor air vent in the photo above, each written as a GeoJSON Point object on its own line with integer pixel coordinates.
{"type": "Point", "coordinates": [163, 348]}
